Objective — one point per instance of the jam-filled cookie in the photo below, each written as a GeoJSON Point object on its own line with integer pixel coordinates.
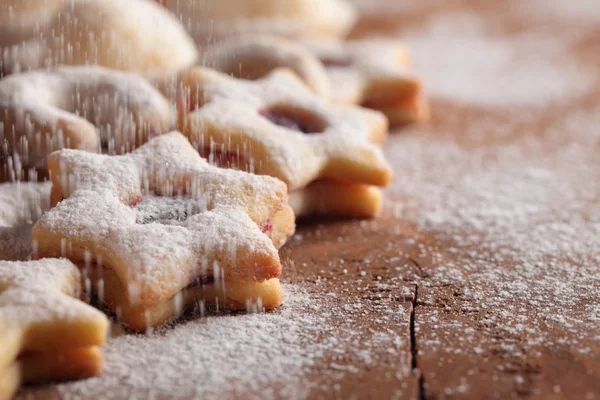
{"type": "Point", "coordinates": [164, 230]}
{"type": "Point", "coordinates": [90, 108]}
{"type": "Point", "coordinates": [46, 333]}
{"type": "Point", "coordinates": [212, 20]}
{"type": "Point", "coordinates": [277, 126]}
{"type": "Point", "coordinates": [374, 73]}
{"type": "Point", "coordinates": [253, 57]}
{"type": "Point", "coordinates": [136, 35]}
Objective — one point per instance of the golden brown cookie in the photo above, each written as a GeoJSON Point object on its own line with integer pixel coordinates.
{"type": "Point", "coordinates": [89, 108]}
{"type": "Point", "coordinates": [45, 332]}
{"type": "Point", "coordinates": [330, 198]}
{"type": "Point", "coordinates": [253, 57]}
{"type": "Point", "coordinates": [375, 73]}
{"type": "Point", "coordinates": [210, 21]}
{"type": "Point", "coordinates": [277, 126]}
{"type": "Point", "coordinates": [165, 221]}
{"type": "Point", "coordinates": [135, 35]}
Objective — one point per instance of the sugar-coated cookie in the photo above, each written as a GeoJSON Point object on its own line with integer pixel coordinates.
{"type": "Point", "coordinates": [253, 57]}
{"type": "Point", "coordinates": [375, 73]}
{"type": "Point", "coordinates": [136, 35]}
{"type": "Point", "coordinates": [46, 333]}
{"type": "Point", "coordinates": [210, 21]}
{"type": "Point", "coordinates": [84, 107]}
{"type": "Point", "coordinates": [169, 225]}
{"type": "Point", "coordinates": [277, 126]}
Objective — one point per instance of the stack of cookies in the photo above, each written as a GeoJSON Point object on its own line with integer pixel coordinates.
{"type": "Point", "coordinates": [179, 157]}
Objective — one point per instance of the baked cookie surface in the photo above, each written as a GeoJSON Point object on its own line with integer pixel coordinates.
{"type": "Point", "coordinates": [165, 222]}
{"type": "Point", "coordinates": [84, 107]}
{"type": "Point", "coordinates": [46, 333]}
{"type": "Point", "coordinates": [112, 33]}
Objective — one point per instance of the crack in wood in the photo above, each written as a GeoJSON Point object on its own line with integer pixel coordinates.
{"type": "Point", "coordinates": [418, 266]}
{"type": "Point", "coordinates": [413, 344]}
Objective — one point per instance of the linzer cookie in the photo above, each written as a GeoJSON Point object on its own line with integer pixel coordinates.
{"type": "Point", "coordinates": [112, 33]}
{"type": "Point", "coordinates": [212, 20]}
{"type": "Point", "coordinates": [46, 334]}
{"type": "Point", "coordinates": [277, 126]}
{"type": "Point", "coordinates": [164, 230]}
{"type": "Point", "coordinates": [375, 73]}
{"type": "Point", "coordinates": [253, 57]}
{"type": "Point", "coordinates": [88, 108]}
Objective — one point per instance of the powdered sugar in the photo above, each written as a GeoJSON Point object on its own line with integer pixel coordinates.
{"type": "Point", "coordinates": [113, 33]}
{"type": "Point", "coordinates": [521, 215]}
{"type": "Point", "coordinates": [460, 61]}
{"type": "Point", "coordinates": [228, 115]}
{"type": "Point", "coordinates": [21, 204]}
{"type": "Point", "coordinates": [102, 214]}
{"type": "Point", "coordinates": [224, 356]}
{"type": "Point", "coordinates": [39, 292]}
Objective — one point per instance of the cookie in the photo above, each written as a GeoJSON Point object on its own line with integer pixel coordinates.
{"type": "Point", "coordinates": [169, 225]}
{"type": "Point", "coordinates": [213, 20]}
{"type": "Point", "coordinates": [330, 198]}
{"type": "Point", "coordinates": [374, 73]}
{"type": "Point", "coordinates": [251, 296]}
{"type": "Point", "coordinates": [85, 107]}
{"type": "Point", "coordinates": [253, 57]}
{"type": "Point", "coordinates": [277, 126]}
{"type": "Point", "coordinates": [19, 19]}
{"type": "Point", "coordinates": [112, 33]}
{"type": "Point", "coordinates": [45, 332]}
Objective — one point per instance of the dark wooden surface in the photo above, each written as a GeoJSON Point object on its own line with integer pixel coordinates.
{"type": "Point", "coordinates": [470, 301]}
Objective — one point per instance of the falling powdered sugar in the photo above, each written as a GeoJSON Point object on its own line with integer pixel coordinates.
{"type": "Point", "coordinates": [21, 204]}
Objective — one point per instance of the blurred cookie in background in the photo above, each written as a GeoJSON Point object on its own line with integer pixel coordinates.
{"type": "Point", "coordinates": [112, 33]}
{"type": "Point", "coordinates": [209, 21]}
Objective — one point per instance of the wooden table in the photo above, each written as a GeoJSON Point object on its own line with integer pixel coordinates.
{"type": "Point", "coordinates": [482, 277]}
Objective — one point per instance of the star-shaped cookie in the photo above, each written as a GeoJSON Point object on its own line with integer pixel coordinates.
{"type": "Point", "coordinates": [90, 108]}
{"type": "Point", "coordinates": [375, 73]}
{"type": "Point", "coordinates": [277, 126]}
{"type": "Point", "coordinates": [253, 57]}
{"type": "Point", "coordinates": [172, 228]}
{"type": "Point", "coordinates": [45, 332]}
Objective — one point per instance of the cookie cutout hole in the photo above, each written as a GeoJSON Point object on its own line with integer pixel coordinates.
{"type": "Point", "coordinates": [336, 62]}
{"type": "Point", "coordinates": [153, 209]}
{"type": "Point", "coordinates": [295, 119]}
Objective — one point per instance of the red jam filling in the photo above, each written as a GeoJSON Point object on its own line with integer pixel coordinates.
{"type": "Point", "coordinates": [294, 118]}
{"type": "Point", "coordinates": [267, 228]}
{"type": "Point", "coordinates": [336, 62]}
